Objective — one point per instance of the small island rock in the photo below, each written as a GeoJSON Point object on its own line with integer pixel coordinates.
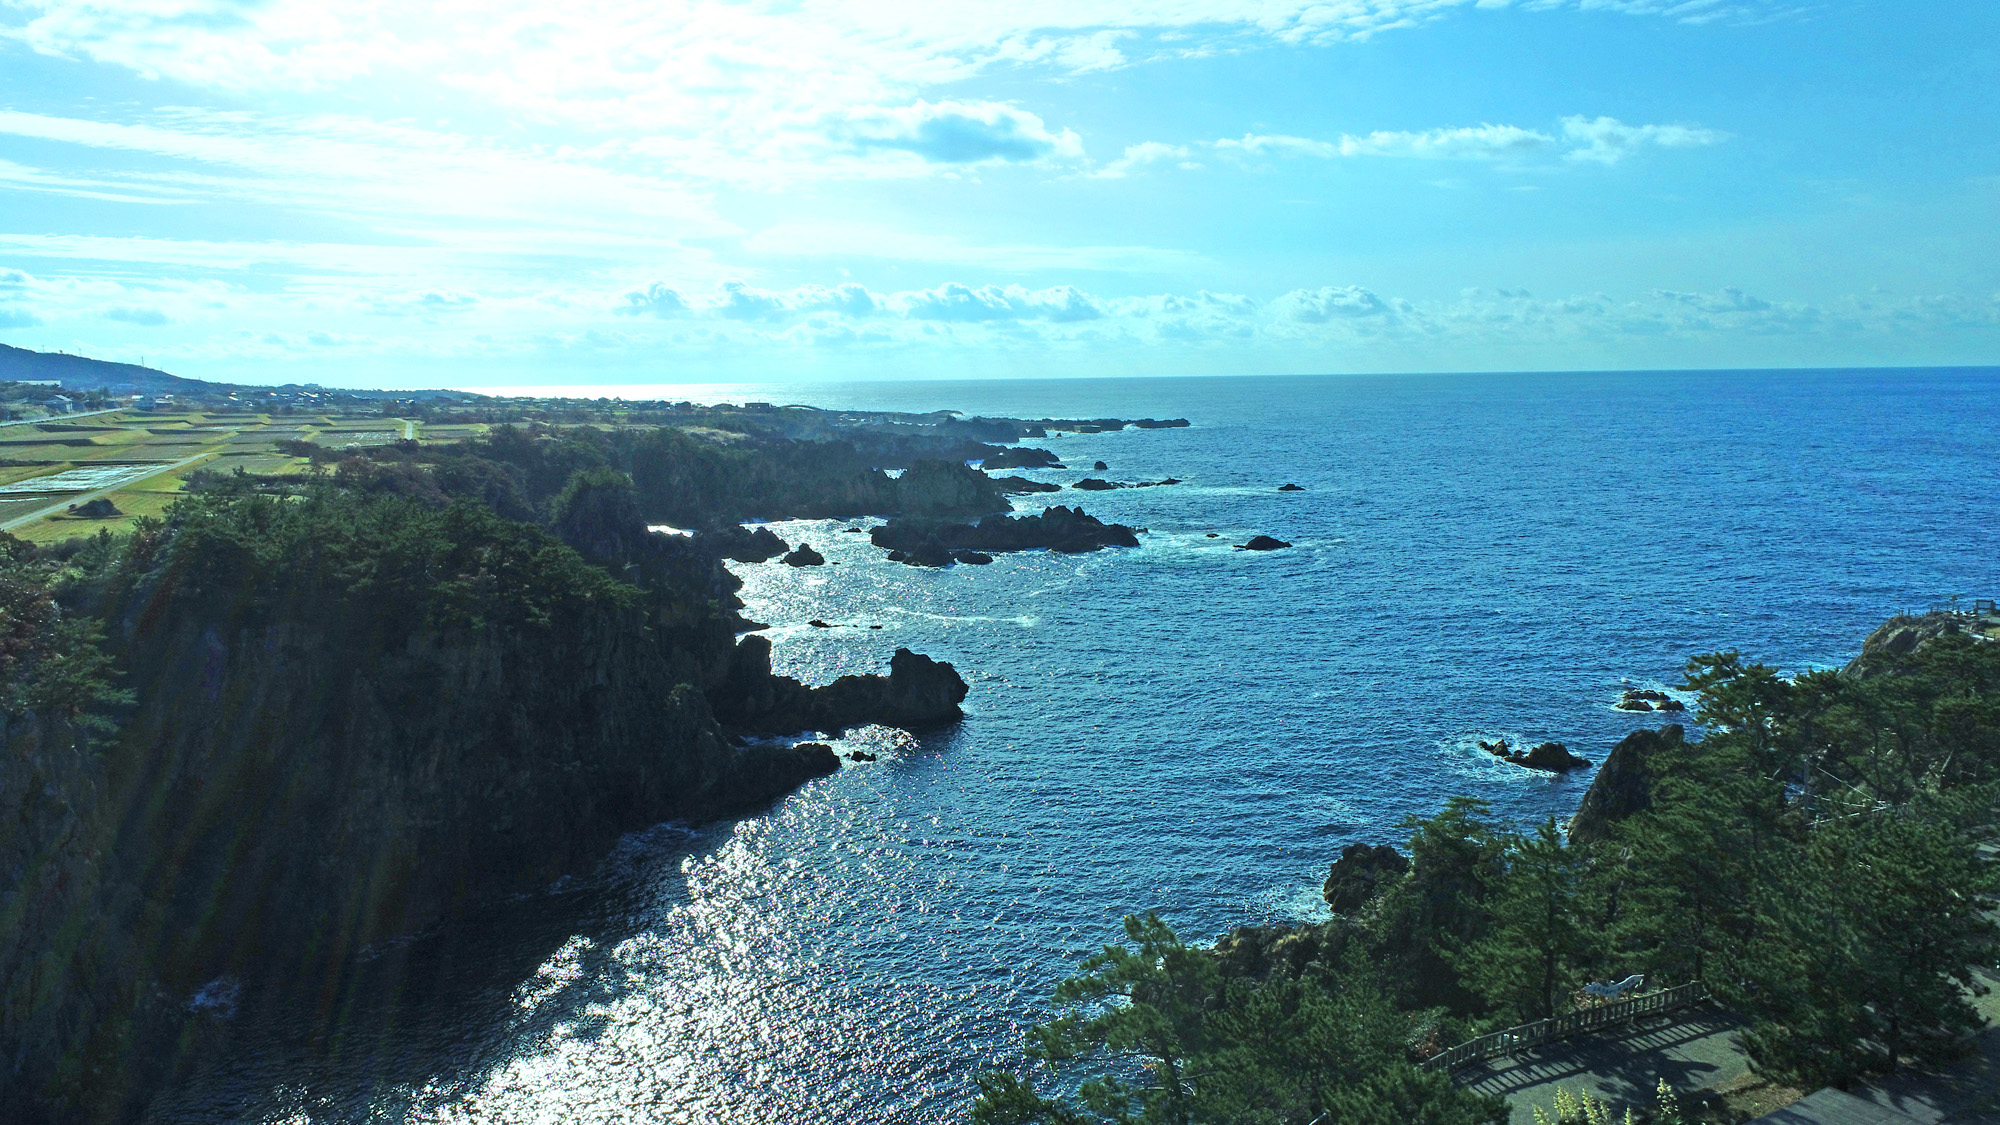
{"type": "Point", "coordinates": [1262, 543]}
{"type": "Point", "coordinates": [1359, 875]}
{"type": "Point", "coordinates": [804, 555]}
{"type": "Point", "coordinates": [1290, 488]}
{"type": "Point", "coordinates": [1553, 757]}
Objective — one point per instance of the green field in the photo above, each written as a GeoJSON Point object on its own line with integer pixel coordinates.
{"type": "Point", "coordinates": [133, 460]}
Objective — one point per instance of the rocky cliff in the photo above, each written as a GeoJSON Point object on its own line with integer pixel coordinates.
{"type": "Point", "coordinates": [355, 718]}
{"type": "Point", "coordinates": [1624, 784]}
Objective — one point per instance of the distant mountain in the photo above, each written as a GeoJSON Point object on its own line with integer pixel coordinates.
{"type": "Point", "coordinates": [79, 373]}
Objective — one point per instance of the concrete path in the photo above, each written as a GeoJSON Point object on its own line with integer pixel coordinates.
{"type": "Point", "coordinates": [1696, 1049]}
{"type": "Point", "coordinates": [1965, 1093]}
{"type": "Point", "coordinates": [1692, 1049]}
{"type": "Point", "coordinates": [56, 418]}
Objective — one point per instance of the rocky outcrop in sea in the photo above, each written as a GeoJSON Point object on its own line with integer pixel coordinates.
{"type": "Point", "coordinates": [1063, 529]}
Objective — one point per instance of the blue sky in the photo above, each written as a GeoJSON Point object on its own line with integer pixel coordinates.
{"type": "Point", "coordinates": [369, 192]}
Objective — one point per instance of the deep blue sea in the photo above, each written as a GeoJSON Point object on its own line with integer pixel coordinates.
{"type": "Point", "coordinates": [1181, 727]}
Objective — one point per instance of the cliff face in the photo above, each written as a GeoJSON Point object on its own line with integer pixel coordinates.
{"type": "Point", "coordinates": [353, 719]}
{"type": "Point", "coordinates": [66, 987]}
{"type": "Point", "coordinates": [1899, 636]}
{"type": "Point", "coordinates": [1624, 784]}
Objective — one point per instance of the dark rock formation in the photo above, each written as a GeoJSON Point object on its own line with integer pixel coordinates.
{"type": "Point", "coordinates": [1067, 530]}
{"type": "Point", "coordinates": [1100, 466]}
{"type": "Point", "coordinates": [1623, 785]}
{"type": "Point", "coordinates": [327, 753]}
{"type": "Point", "coordinates": [947, 488]}
{"type": "Point", "coordinates": [860, 756]}
{"type": "Point", "coordinates": [1899, 636]}
{"type": "Point", "coordinates": [1262, 543]}
{"type": "Point", "coordinates": [99, 509]}
{"type": "Point", "coordinates": [1359, 874]}
{"type": "Point", "coordinates": [818, 624]}
{"type": "Point", "coordinates": [854, 530]}
{"type": "Point", "coordinates": [1553, 757]}
{"type": "Point", "coordinates": [1629, 704]}
{"type": "Point", "coordinates": [1673, 705]}
{"type": "Point", "coordinates": [1159, 424]}
{"type": "Point", "coordinates": [1093, 484]}
{"type": "Point", "coordinates": [918, 694]}
{"type": "Point", "coordinates": [1290, 488]}
{"type": "Point", "coordinates": [972, 558]}
{"type": "Point", "coordinates": [804, 555]}
{"type": "Point", "coordinates": [1647, 694]}
{"type": "Point", "coordinates": [1016, 485]}
{"type": "Point", "coordinates": [1157, 483]}
{"type": "Point", "coordinates": [741, 544]}
{"type": "Point", "coordinates": [1020, 457]}
{"type": "Point", "coordinates": [1260, 952]}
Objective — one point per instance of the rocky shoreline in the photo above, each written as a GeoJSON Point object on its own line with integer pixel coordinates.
{"type": "Point", "coordinates": [434, 678]}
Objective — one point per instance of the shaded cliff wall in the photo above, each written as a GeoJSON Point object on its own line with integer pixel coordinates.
{"type": "Point", "coordinates": [354, 717]}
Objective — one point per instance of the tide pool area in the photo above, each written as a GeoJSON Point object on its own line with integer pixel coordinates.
{"type": "Point", "coordinates": [1181, 726]}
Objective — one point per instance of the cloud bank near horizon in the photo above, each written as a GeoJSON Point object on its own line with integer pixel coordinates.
{"type": "Point", "coordinates": [947, 182]}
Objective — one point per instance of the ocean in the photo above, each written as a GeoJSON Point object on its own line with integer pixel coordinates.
{"type": "Point", "coordinates": [1181, 727]}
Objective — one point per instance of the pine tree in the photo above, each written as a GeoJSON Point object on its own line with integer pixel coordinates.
{"type": "Point", "coordinates": [1541, 938]}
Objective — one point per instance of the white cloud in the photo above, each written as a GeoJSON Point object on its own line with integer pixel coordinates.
{"type": "Point", "coordinates": [1143, 153]}
{"type": "Point", "coordinates": [1728, 299]}
{"type": "Point", "coordinates": [955, 302]}
{"type": "Point", "coordinates": [954, 133]}
{"type": "Point", "coordinates": [1477, 142]}
{"type": "Point", "coordinates": [1607, 140]}
{"type": "Point", "coordinates": [1329, 302]}
{"type": "Point", "coordinates": [1604, 140]}
{"type": "Point", "coordinates": [657, 299]}
{"type": "Point", "coordinates": [833, 238]}
{"type": "Point", "coordinates": [137, 314]}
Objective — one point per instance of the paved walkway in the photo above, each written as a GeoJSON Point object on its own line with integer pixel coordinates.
{"type": "Point", "coordinates": [1696, 1049]}
{"type": "Point", "coordinates": [1691, 1050]}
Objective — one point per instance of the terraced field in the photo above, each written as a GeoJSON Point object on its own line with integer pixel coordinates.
{"type": "Point", "coordinates": [140, 462]}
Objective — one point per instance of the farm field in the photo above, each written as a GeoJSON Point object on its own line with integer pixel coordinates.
{"type": "Point", "coordinates": [140, 462]}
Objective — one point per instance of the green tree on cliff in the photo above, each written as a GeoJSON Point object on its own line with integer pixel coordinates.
{"type": "Point", "coordinates": [1457, 859]}
{"type": "Point", "coordinates": [1868, 935]}
{"type": "Point", "coordinates": [1542, 935]}
{"type": "Point", "coordinates": [1153, 1032]}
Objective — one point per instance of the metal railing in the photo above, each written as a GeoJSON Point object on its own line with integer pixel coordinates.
{"type": "Point", "coordinates": [1562, 1027]}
